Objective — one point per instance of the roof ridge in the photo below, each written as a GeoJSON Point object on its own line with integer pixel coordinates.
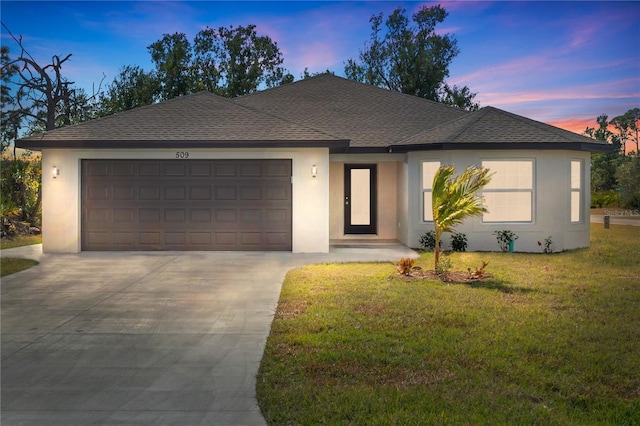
{"type": "Point", "coordinates": [468, 115]}
{"type": "Point", "coordinates": [286, 120]}
{"type": "Point", "coordinates": [472, 118]}
{"type": "Point", "coordinates": [348, 80]}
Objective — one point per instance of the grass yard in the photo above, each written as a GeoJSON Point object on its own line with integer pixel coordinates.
{"type": "Point", "coordinates": [10, 265]}
{"type": "Point", "coordinates": [23, 240]}
{"type": "Point", "coordinates": [549, 339]}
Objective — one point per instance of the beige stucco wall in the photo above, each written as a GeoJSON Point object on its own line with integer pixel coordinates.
{"type": "Point", "coordinates": [551, 204]}
{"type": "Point", "coordinates": [387, 181]}
{"type": "Point", "coordinates": [61, 209]}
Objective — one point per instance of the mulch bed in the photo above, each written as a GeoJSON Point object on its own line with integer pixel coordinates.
{"type": "Point", "coordinates": [451, 276]}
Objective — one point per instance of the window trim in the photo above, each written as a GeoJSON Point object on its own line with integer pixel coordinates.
{"type": "Point", "coordinates": [426, 191]}
{"type": "Point", "coordinates": [579, 190]}
{"type": "Point", "coordinates": [532, 191]}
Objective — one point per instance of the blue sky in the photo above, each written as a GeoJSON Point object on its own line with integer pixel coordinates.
{"type": "Point", "coordinates": [563, 63]}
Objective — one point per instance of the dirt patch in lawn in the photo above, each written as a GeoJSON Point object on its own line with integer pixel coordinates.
{"type": "Point", "coordinates": [450, 277]}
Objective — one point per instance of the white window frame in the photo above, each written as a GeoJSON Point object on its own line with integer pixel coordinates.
{"type": "Point", "coordinates": [427, 190]}
{"type": "Point", "coordinates": [576, 188]}
{"type": "Point", "coordinates": [531, 190]}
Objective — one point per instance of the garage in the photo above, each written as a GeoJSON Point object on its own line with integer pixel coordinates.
{"type": "Point", "coordinates": [186, 204]}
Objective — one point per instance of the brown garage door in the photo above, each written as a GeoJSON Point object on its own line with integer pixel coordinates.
{"type": "Point", "coordinates": [186, 205]}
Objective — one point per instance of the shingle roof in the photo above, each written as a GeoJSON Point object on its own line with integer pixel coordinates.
{"type": "Point", "coordinates": [493, 125]}
{"type": "Point", "coordinates": [326, 111]}
{"type": "Point", "coordinates": [365, 114]}
{"type": "Point", "coordinates": [200, 117]}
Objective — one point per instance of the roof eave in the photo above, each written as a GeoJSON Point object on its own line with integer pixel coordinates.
{"type": "Point", "coordinates": [336, 145]}
{"type": "Point", "coordinates": [569, 146]}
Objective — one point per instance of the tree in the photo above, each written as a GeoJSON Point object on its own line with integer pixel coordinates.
{"type": "Point", "coordinates": [460, 97]}
{"type": "Point", "coordinates": [44, 99]}
{"type": "Point", "coordinates": [411, 57]}
{"type": "Point", "coordinates": [455, 198]}
{"type": "Point", "coordinates": [131, 88]}
{"type": "Point", "coordinates": [603, 166]}
{"type": "Point", "coordinates": [628, 177]}
{"type": "Point", "coordinates": [231, 62]}
{"type": "Point", "coordinates": [172, 58]}
{"type": "Point", "coordinates": [9, 120]}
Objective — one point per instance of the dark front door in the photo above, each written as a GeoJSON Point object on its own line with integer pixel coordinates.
{"type": "Point", "coordinates": [360, 201]}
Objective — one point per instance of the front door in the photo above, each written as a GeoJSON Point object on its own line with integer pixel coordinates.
{"type": "Point", "coordinates": [360, 204]}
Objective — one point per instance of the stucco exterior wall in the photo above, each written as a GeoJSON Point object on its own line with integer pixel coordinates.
{"type": "Point", "coordinates": [61, 202]}
{"type": "Point", "coordinates": [387, 186]}
{"type": "Point", "coordinates": [551, 200]}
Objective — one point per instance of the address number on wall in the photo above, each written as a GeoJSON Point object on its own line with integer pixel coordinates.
{"type": "Point", "coordinates": [182, 154]}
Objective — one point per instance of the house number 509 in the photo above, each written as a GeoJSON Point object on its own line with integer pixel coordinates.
{"type": "Point", "coordinates": [182, 154]}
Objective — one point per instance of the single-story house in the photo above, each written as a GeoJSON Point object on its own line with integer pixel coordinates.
{"type": "Point", "coordinates": [302, 166]}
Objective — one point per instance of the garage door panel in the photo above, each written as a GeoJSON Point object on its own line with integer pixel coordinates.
{"type": "Point", "coordinates": [123, 216]}
{"type": "Point", "coordinates": [251, 169]}
{"type": "Point", "coordinates": [125, 239]}
{"type": "Point", "coordinates": [186, 205]}
{"type": "Point", "coordinates": [149, 192]}
{"type": "Point", "coordinates": [200, 215]}
{"type": "Point", "coordinates": [124, 169]}
{"type": "Point", "coordinates": [200, 169]}
{"type": "Point", "coordinates": [175, 169]}
{"type": "Point", "coordinates": [175, 193]}
{"type": "Point", "coordinates": [148, 168]}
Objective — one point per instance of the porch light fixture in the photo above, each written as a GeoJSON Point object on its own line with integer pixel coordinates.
{"type": "Point", "coordinates": [314, 171]}
{"type": "Point", "coordinates": [56, 172]}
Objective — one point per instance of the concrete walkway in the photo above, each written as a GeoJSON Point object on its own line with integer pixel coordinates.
{"type": "Point", "coordinates": [168, 338]}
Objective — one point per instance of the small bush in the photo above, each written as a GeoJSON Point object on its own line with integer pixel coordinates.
{"type": "Point", "coordinates": [405, 265]}
{"type": "Point", "coordinates": [605, 199]}
{"type": "Point", "coordinates": [479, 273]}
{"type": "Point", "coordinates": [459, 242]}
{"type": "Point", "coordinates": [443, 266]}
{"type": "Point", "coordinates": [504, 237]}
{"type": "Point", "coordinates": [428, 241]}
{"type": "Point", "coordinates": [548, 245]}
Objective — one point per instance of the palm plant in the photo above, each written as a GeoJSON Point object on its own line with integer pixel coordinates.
{"type": "Point", "coordinates": [454, 198]}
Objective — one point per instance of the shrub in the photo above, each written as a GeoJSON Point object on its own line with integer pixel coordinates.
{"type": "Point", "coordinates": [428, 241]}
{"type": "Point", "coordinates": [479, 273]}
{"type": "Point", "coordinates": [443, 266]}
{"type": "Point", "coordinates": [504, 237]}
{"type": "Point", "coordinates": [459, 242]}
{"type": "Point", "coordinates": [604, 199]}
{"type": "Point", "coordinates": [548, 245]}
{"type": "Point", "coordinates": [405, 265]}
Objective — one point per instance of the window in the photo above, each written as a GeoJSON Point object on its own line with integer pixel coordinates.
{"type": "Point", "coordinates": [429, 169]}
{"type": "Point", "coordinates": [576, 191]}
{"type": "Point", "coordinates": [509, 194]}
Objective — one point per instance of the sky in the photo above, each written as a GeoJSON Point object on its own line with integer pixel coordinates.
{"type": "Point", "coordinates": [560, 62]}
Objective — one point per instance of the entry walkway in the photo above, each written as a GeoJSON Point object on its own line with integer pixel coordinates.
{"type": "Point", "coordinates": [166, 338]}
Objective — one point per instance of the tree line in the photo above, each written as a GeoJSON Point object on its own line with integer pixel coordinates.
{"type": "Point", "coordinates": [615, 175]}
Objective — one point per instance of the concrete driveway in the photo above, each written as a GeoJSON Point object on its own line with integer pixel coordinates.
{"type": "Point", "coordinates": [143, 338]}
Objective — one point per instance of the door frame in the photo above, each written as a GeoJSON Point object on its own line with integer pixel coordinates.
{"type": "Point", "coordinates": [372, 227]}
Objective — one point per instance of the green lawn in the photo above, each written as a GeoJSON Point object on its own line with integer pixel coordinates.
{"type": "Point", "coordinates": [9, 265]}
{"type": "Point", "coordinates": [23, 240]}
{"type": "Point", "coordinates": [549, 339]}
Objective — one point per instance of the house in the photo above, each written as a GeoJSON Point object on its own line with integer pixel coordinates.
{"type": "Point", "coordinates": [300, 167]}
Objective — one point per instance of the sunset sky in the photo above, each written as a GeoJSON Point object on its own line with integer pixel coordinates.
{"type": "Point", "coordinates": [563, 63]}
